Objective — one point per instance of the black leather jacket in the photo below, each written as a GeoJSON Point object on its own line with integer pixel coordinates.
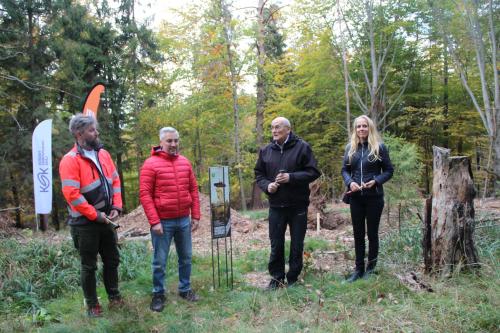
{"type": "Point", "coordinates": [297, 159]}
{"type": "Point", "coordinates": [361, 169]}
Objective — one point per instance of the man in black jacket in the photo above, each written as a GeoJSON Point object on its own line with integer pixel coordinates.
{"type": "Point", "coordinates": [283, 171]}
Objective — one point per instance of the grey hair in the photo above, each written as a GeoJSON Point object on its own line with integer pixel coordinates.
{"type": "Point", "coordinates": [285, 122]}
{"type": "Point", "coordinates": [168, 130]}
{"type": "Point", "coordinates": [80, 122]}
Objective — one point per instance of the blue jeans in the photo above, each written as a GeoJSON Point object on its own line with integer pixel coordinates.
{"type": "Point", "coordinates": [180, 230]}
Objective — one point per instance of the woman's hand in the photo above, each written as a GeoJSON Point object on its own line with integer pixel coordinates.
{"type": "Point", "coordinates": [354, 187]}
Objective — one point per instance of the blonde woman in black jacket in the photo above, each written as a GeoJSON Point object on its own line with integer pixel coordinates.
{"type": "Point", "coordinates": [366, 166]}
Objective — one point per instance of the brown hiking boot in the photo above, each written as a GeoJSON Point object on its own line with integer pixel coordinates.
{"type": "Point", "coordinates": [94, 311]}
{"type": "Point", "coordinates": [116, 303]}
{"type": "Point", "coordinates": [189, 296]}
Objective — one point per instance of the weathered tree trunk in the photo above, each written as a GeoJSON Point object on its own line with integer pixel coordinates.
{"type": "Point", "coordinates": [445, 98]}
{"type": "Point", "coordinates": [256, 201]}
{"type": "Point", "coordinates": [452, 221]}
{"type": "Point", "coordinates": [44, 222]}
{"type": "Point", "coordinates": [426, 239]}
{"type": "Point", "coordinates": [55, 213]}
{"type": "Point", "coordinates": [120, 167]}
{"type": "Point", "coordinates": [17, 201]}
{"type": "Point", "coordinates": [226, 17]}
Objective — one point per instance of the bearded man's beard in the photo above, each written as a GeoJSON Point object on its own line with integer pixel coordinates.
{"type": "Point", "coordinates": [94, 144]}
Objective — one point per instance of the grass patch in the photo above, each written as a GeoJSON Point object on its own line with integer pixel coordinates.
{"type": "Point", "coordinates": [466, 302]}
{"type": "Point", "coordinates": [255, 214]}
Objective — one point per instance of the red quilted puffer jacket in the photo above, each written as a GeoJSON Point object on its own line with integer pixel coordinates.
{"type": "Point", "coordinates": [168, 188]}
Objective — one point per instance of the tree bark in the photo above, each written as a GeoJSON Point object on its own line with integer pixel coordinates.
{"type": "Point", "coordinates": [256, 201]}
{"type": "Point", "coordinates": [226, 17]}
{"type": "Point", "coordinates": [426, 239]}
{"type": "Point", "coordinates": [452, 243]}
{"type": "Point", "coordinates": [445, 97]}
{"type": "Point", "coordinates": [44, 222]}
{"type": "Point", "coordinates": [17, 201]}
{"type": "Point", "coordinates": [55, 212]}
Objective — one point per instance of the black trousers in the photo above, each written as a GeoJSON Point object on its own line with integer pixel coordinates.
{"type": "Point", "coordinates": [366, 211]}
{"type": "Point", "coordinates": [90, 240]}
{"type": "Point", "coordinates": [279, 218]}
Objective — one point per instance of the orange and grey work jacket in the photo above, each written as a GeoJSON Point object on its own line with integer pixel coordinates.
{"type": "Point", "coordinates": [86, 189]}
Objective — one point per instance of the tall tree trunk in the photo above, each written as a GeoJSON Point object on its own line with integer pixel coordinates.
{"type": "Point", "coordinates": [346, 91]}
{"type": "Point", "coordinates": [452, 241]}
{"type": "Point", "coordinates": [445, 97]}
{"type": "Point", "coordinates": [44, 222]}
{"type": "Point", "coordinates": [427, 232]}
{"type": "Point", "coordinates": [17, 201]}
{"type": "Point", "coordinates": [490, 110]}
{"type": "Point", "coordinates": [496, 163]}
{"type": "Point", "coordinates": [431, 72]}
{"type": "Point", "coordinates": [261, 97]}
{"type": "Point", "coordinates": [119, 166]}
{"type": "Point", "coordinates": [197, 150]}
{"type": "Point", "coordinates": [261, 80]}
{"type": "Point", "coordinates": [226, 16]}
{"type": "Point", "coordinates": [55, 211]}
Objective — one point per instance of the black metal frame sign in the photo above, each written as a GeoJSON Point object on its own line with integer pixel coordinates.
{"type": "Point", "coordinates": [219, 202]}
{"type": "Point", "coordinates": [220, 217]}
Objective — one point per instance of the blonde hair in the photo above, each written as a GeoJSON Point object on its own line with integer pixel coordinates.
{"type": "Point", "coordinates": [374, 139]}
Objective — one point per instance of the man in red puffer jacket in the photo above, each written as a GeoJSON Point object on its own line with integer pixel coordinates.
{"type": "Point", "coordinates": [169, 195]}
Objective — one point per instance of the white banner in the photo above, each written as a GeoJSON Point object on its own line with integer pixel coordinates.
{"type": "Point", "coordinates": [42, 166]}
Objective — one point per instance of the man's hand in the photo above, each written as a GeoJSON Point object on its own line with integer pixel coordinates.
{"type": "Point", "coordinates": [272, 187]}
{"type": "Point", "coordinates": [355, 187]}
{"type": "Point", "coordinates": [113, 214]}
{"type": "Point", "coordinates": [101, 218]}
{"type": "Point", "coordinates": [194, 224]}
{"type": "Point", "coordinates": [283, 178]}
{"type": "Point", "coordinates": [157, 229]}
{"type": "Point", "coordinates": [369, 184]}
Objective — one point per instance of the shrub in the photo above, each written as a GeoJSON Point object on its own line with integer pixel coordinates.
{"type": "Point", "coordinates": [38, 270]}
{"type": "Point", "coordinates": [401, 192]}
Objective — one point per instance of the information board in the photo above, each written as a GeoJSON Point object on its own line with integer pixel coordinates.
{"type": "Point", "coordinates": [219, 201]}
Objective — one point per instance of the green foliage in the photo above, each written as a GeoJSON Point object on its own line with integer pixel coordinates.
{"type": "Point", "coordinates": [34, 272]}
{"type": "Point", "coordinates": [37, 271]}
{"type": "Point", "coordinates": [401, 192]}
{"type": "Point", "coordinates": [402, 249]}
{"type": "Point", "coordinates": [305, 91]}
{"type": "Point", "coordinates": [256, 214]}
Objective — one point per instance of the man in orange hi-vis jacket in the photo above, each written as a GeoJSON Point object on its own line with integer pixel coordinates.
{"type": "Point", "coordinates": [91, 187]}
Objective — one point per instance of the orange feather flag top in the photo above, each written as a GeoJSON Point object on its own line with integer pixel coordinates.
{"type": "Point", "coordinates": [92, 101]}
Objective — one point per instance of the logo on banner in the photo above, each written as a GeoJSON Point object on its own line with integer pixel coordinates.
{"type": "Point", "coordinates": [43, 169]}
{"type": "Point", "coordinates": [42, 166]}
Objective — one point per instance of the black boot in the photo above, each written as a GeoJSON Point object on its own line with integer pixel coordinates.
{"type": "Point", "coordinates": [356, 275]}
{"type": "Point", "coordinates": [157, 303]}
{"type": "Point", "coordinates": [370, 268]}
{"type": "Point", "coordinates": [276, 284]}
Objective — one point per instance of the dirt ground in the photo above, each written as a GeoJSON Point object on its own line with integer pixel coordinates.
{"type": "Point", "coordinates": [246, 234]}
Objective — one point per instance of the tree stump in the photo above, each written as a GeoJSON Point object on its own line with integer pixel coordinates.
{"type": "Point", "coordinates": [452, 217]}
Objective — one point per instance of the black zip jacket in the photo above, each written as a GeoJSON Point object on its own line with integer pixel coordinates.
{"type": "Point", "coordinates": [295, 158]}
{"type": "Point", "coordinates": [362, 169]}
